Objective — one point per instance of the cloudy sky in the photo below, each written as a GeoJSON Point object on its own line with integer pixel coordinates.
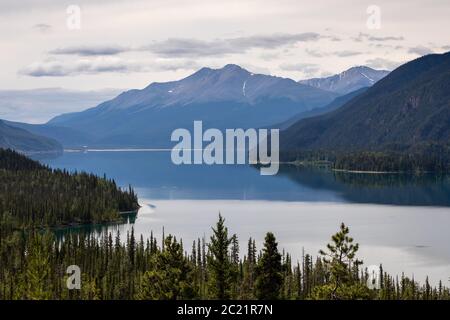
{"type": "Point", "coordinates": [117, 45]}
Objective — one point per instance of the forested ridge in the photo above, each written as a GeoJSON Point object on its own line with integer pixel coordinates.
{"type": "Point", "coordinates": [33, 266]}
{"type": "Point", "coordinates": [21, 139]}
{"type": "Point", "coordinates": [33, 195]}
{"type": "Point", "coordinates": [426, 157]}
{"type": "Point", "coordinates": [401, 123]}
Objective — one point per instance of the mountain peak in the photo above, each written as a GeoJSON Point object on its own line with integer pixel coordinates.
{"type": "Point", "coordinates": [227, 69]}
{"type": "Point", "coordinates": [406, 109]}
{"type": "Point", "coordinates": [232, 67]}
{"type": "Point", "coordinates": [349, 80]}
{"type": "Point", "coordinates": [229, 97]}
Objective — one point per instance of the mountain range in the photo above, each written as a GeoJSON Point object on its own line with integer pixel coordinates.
{"type": "Point", "coordinates": [348, 81]}
{"type": "Point", "coordinates": [230, 97]}
{"type": "Point", "coordinates": [24, 141]}
{"type": "Point", "coordinates": [407, 108]}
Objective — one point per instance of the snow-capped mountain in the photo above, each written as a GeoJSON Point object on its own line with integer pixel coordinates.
{"type": "Point", "coordinates": [349, 80]}
{"type": "Point", "coordinates": [230, 97]}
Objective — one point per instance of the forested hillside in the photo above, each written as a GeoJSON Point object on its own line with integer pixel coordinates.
{"type": "Point", "coordinates": [34, 195]}
{"type": "Point", "coordinates": [24, 141]}
{"type": "Point", "coordinates": [406, 113]}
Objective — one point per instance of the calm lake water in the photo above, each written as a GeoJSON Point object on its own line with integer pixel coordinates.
{"type": "Point", "coordinates": [401, 221]}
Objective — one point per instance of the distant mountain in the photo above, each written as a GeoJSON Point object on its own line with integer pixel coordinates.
{"type": "Point", "coordinates": [350, 80]}
{"type": "Point", "coordinates": [230, 97]}
{"type": "Point", "coordinates": [24, 141]}
{"type": "Point", "coordinates": [407, 108]}
{"type": "Point", "coordinates": [68, 137]}
{"type": "Point", "coordinates": [333, 105]}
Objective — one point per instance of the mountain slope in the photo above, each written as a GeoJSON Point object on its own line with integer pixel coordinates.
{"type": "Point", "coordinates": [409, 107]}
{"type": "Point", "coordinates": [347, 81]}
{"type": "Point", "coordinates": [230, 97]}
{"type": "Point", "coordinates": [335, 104]}
{"type": "Point", "coordinates": [24, 141]}
{"type": "Point", "coordinates": [68, 137]}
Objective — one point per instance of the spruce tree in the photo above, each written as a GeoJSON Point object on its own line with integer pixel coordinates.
{"type": "Point", "coordinates": [219, 262]}
{"type": "Point", "coordinates": [269, 271]}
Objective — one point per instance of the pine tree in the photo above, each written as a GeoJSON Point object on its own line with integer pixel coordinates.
{"type": "Point", "coordinates": [219, 262]}
{"type": "Point", "coordinates": [269, 271]}
{"type": "Point", "coordinates": [341, 260]}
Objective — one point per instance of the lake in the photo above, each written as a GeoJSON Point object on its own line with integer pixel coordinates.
{"type": "Point", "coordinates": [401, 221]}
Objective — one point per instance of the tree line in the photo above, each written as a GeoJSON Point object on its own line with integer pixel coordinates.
{"type": "Point", "coordinates": [33, 265]}
{"type": "Point", "coordinates": [424, 157]}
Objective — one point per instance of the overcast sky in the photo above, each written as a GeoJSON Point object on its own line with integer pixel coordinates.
{"type": "Point", "coordinates": [129, 44]}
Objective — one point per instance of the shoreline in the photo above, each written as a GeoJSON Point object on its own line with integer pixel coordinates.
{"type": "Point", "coordinates": [328, 165]}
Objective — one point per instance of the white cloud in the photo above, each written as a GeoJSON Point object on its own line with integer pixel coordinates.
{"type": "Point", "coordinates": [420, 50]}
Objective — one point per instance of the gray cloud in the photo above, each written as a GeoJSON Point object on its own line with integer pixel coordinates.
{"type": "Point", "coordinates": [184, 47]}
{"type": "Point", "coordinates": [373, 38]}
{"type": "Point", "coordinates": [90, 50]}
{"type": "Point", "coordinates": [190, 47]}
{"type": "Point", "coordinates": [381, 63]}
{"type": "Point", "coordinates": [272, 41]}
{"type": "Point", "coordinates": [61, 69]}
{"type": "Point", "coordinates": [332, 38]}
{"type": "Point", "coordinates": [346, 53]}
{"type": "Point", "coordinates": [340, 53]}
{"type": "Point", "coordinates": [181, 47]}
{"type": "Point", "coordinates": [307, 68]}
{"type": "Point", "coordinates": [420, 50]}
{"type": "Point", "coordinates": [365, 36]}
{"type": "Point", "coordinates": [56, 68]}
{"type": "Point", "coordinates": [42, 27]}
{"type": "Point", "coordinates": [314, 53]}
{"type": "Point", "coordinates": [446, 47]}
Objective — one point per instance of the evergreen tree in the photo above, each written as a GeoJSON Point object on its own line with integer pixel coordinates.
{"type": "Point", "coordinates": [340, 260]}
{"type": "Point", "coordinates": [269, 271]}
{"type": "Point", "coordinates": [219, 262]}
{"type": "Point", "coordinates": [171, 275]}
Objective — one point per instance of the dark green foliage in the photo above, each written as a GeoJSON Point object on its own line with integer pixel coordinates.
{"type": "Point", "coordinates": [171, 275]}
{"type": "Point", "coordinates": [426, 157]}
{"type": "Point", "coordinates": [34, 195]}
{"type": "Point", "coordinates": [342, 265]}
{"type": "Point", "coordinates": [219, 261]}
{"type": "Point", "coordinates": [269, 271]}
{"type": "Point", "coordinates": [430, 158]}
{"type": "Point", "coordinates": [33, 266]}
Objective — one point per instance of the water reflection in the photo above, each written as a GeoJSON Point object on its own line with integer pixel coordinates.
{"type": "Point", "coordinates": [395, 189]}
{"type": "Point", "coordinates": [154, 176]}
